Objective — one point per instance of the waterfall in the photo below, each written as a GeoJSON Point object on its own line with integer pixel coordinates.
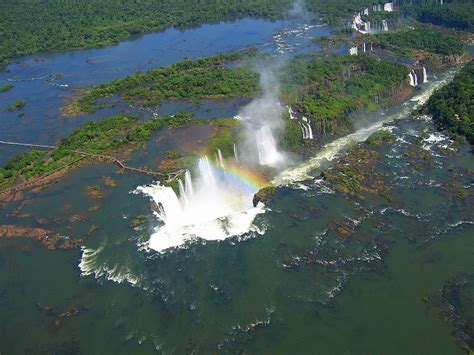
{"type": "Point", "coordinates": [388, 7]}
{"type": "Point", "coordinates": [310, 131]}
{"type": "Point", "coordinates": [220, 158]}
{"type": "Point", "coordinates": [413, 78]}
{"type": "Point", "coordinates": [268, 153]}
{"type": "Point", "coordinates": [384, 25]}
{"type": "Point", "coordinates": [364, 47]}
{"type": "Point", "coordinates": [379, 7]}
{"type": "Point", "coordinates": [425, 75]}
{"type": "Point", "coordinates": [306, 129]}
{"type": "Point", "coordinates": [353, 50]}
{"type": "Point", "coordinates": [217, 205]}
{"type": "Point", "coordinates": [292, 114]}
{"type": "Point", "coordinates": [366, 12]}
{"type": "Point", "coordinates": [371, 48]}
{"type": "Point", "coordinates": [236, 157]}
{"type": "Point", "coordinates": [183, 192]}
{"type": "Point", "coordinates": [188, 183]}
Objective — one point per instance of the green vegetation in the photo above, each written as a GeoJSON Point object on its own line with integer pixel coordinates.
{"type": "Point", "coordinates": [379, 138]}
{"type": "Point", "coordinates": [458, 14]}
{"type": "Point", "coordinates": [106, 136]}
{"type": "Point", "coordinates": [17, 105]}
{"type": "Point", "coordinates": [328, 89]}
{"type": "Point", "coordinates": [203, 78]}
{"type": "Point", "coordinates": [264, 195]}
{"type": "Point", "coordinates": [291, 138]}
{"type": "Point", "coordinates": [23, 164]}
{"type": "Point", "coordinates": [452, 107]}
{"type": "Point", "coordinates": [335, 11]}
{"type": "Point", "coordinates": [179, 119]}
{"type": "Point", "coordinates": [325, 89]}
{"type": "Point", "coordinates": [32, 26]}
{"type": "Point", "coordinates": [6, 87]}
{"type": "Point", "coordinates": [438, 42]}
{"type": "Point", "coordinates": [225, 137]}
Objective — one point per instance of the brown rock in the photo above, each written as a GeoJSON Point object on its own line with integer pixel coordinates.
{"type": "Point", "coordinates": [50, 240]}
{"type": "Point", "coordinates": [109, 182]}
{"type": "Point", "coordinates": [76, 218]}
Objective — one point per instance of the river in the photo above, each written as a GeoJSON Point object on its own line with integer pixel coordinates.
{"type": "Point", "coordinates": [297, 287]}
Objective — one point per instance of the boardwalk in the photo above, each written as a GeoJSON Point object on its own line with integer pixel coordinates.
{"type": "Point", "coordinates": [169, 177]}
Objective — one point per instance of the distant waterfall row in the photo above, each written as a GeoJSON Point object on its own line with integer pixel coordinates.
{"type": "Point", "coordinates": [354, 50]}
{"type": "Point", "coordinates": [362, 26]}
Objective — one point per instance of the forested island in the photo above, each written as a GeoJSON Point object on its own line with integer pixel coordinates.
{"type": "Point", "coordinates": [452, 107]}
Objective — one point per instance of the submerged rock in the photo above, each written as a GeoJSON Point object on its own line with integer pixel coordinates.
{"type": "Point", "coordinates": [94, 191]}
{"type": "Point", "coordinates": [50, 240]}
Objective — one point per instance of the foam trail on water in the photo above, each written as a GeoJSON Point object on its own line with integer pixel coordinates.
{"type": "Point", "coordinates": [331, 150]}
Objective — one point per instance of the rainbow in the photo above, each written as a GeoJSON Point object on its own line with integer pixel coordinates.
{"type": "Point", "coordinates": [247, 179]}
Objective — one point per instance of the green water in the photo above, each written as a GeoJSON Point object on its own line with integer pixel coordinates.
{"type": "Point", "coordinates": [298, 288]}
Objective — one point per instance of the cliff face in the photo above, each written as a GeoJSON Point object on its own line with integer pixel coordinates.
{"type": "Point", "coordinates": [264, 195]}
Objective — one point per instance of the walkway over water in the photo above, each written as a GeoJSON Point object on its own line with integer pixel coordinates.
{"type": "Point", "coordinates": [169, 177]}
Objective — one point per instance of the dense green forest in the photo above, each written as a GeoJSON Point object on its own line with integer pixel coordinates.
{"type": "Point", "coordinates": [189, 79]}
{"type": "Point", "coordinates": [105, 136]}
{"type": "Point", "coordinates": [31, 26]}
{"type": "Point", "coordinates": [438, 42]}
{"type": "Point", "coordinates": [458, 14]}
{"type": "Point", "coordinates": [327, 90]}
{"type": "Point", "coordinates": [452, 107]}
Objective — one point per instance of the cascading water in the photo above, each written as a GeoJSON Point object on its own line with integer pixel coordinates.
{"type": "Point", "coordinates": [353, 50]}
{"type": "Point", "coordinates": [236, 155]}
{"type": "Point", "coordinates": [291, 113]}
{"type": "Point", "coordinates": [388, 7]}
{"type": "Point", "coordinates": [268, 153]}
{"type": "Point", "coordinates": [220, 158]}
{"type": "Point", "coordinates": [413, 77]}
{"type": "Point", "coordinates": [384, 25]}
{"type": "Point", "coordinates": [425, 75]}
{"type": "Point", "coordinates": [331, 150]}
{"type": "Point", "coordinates": [215, 206]}
{"type": "Point", "coordinates": [306, 129]}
